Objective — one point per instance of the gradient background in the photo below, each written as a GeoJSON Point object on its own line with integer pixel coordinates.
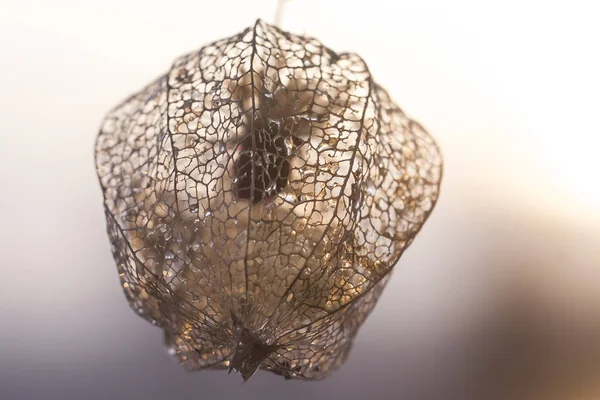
{"type": "Point", "coordinates": [498, 297]}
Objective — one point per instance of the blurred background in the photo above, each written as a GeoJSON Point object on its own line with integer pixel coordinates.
{"type": "Point", "coordinates": [498, 297]}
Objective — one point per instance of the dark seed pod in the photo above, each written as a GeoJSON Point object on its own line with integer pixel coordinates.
{"type": "Point", "coordinates": [258, 196]}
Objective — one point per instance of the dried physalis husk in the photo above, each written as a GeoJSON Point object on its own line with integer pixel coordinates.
{"type": "Point", "coordinates": [258, 196]}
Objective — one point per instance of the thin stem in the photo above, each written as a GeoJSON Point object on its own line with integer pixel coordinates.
{"type": "Point", "coordinates": [279, 12]}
